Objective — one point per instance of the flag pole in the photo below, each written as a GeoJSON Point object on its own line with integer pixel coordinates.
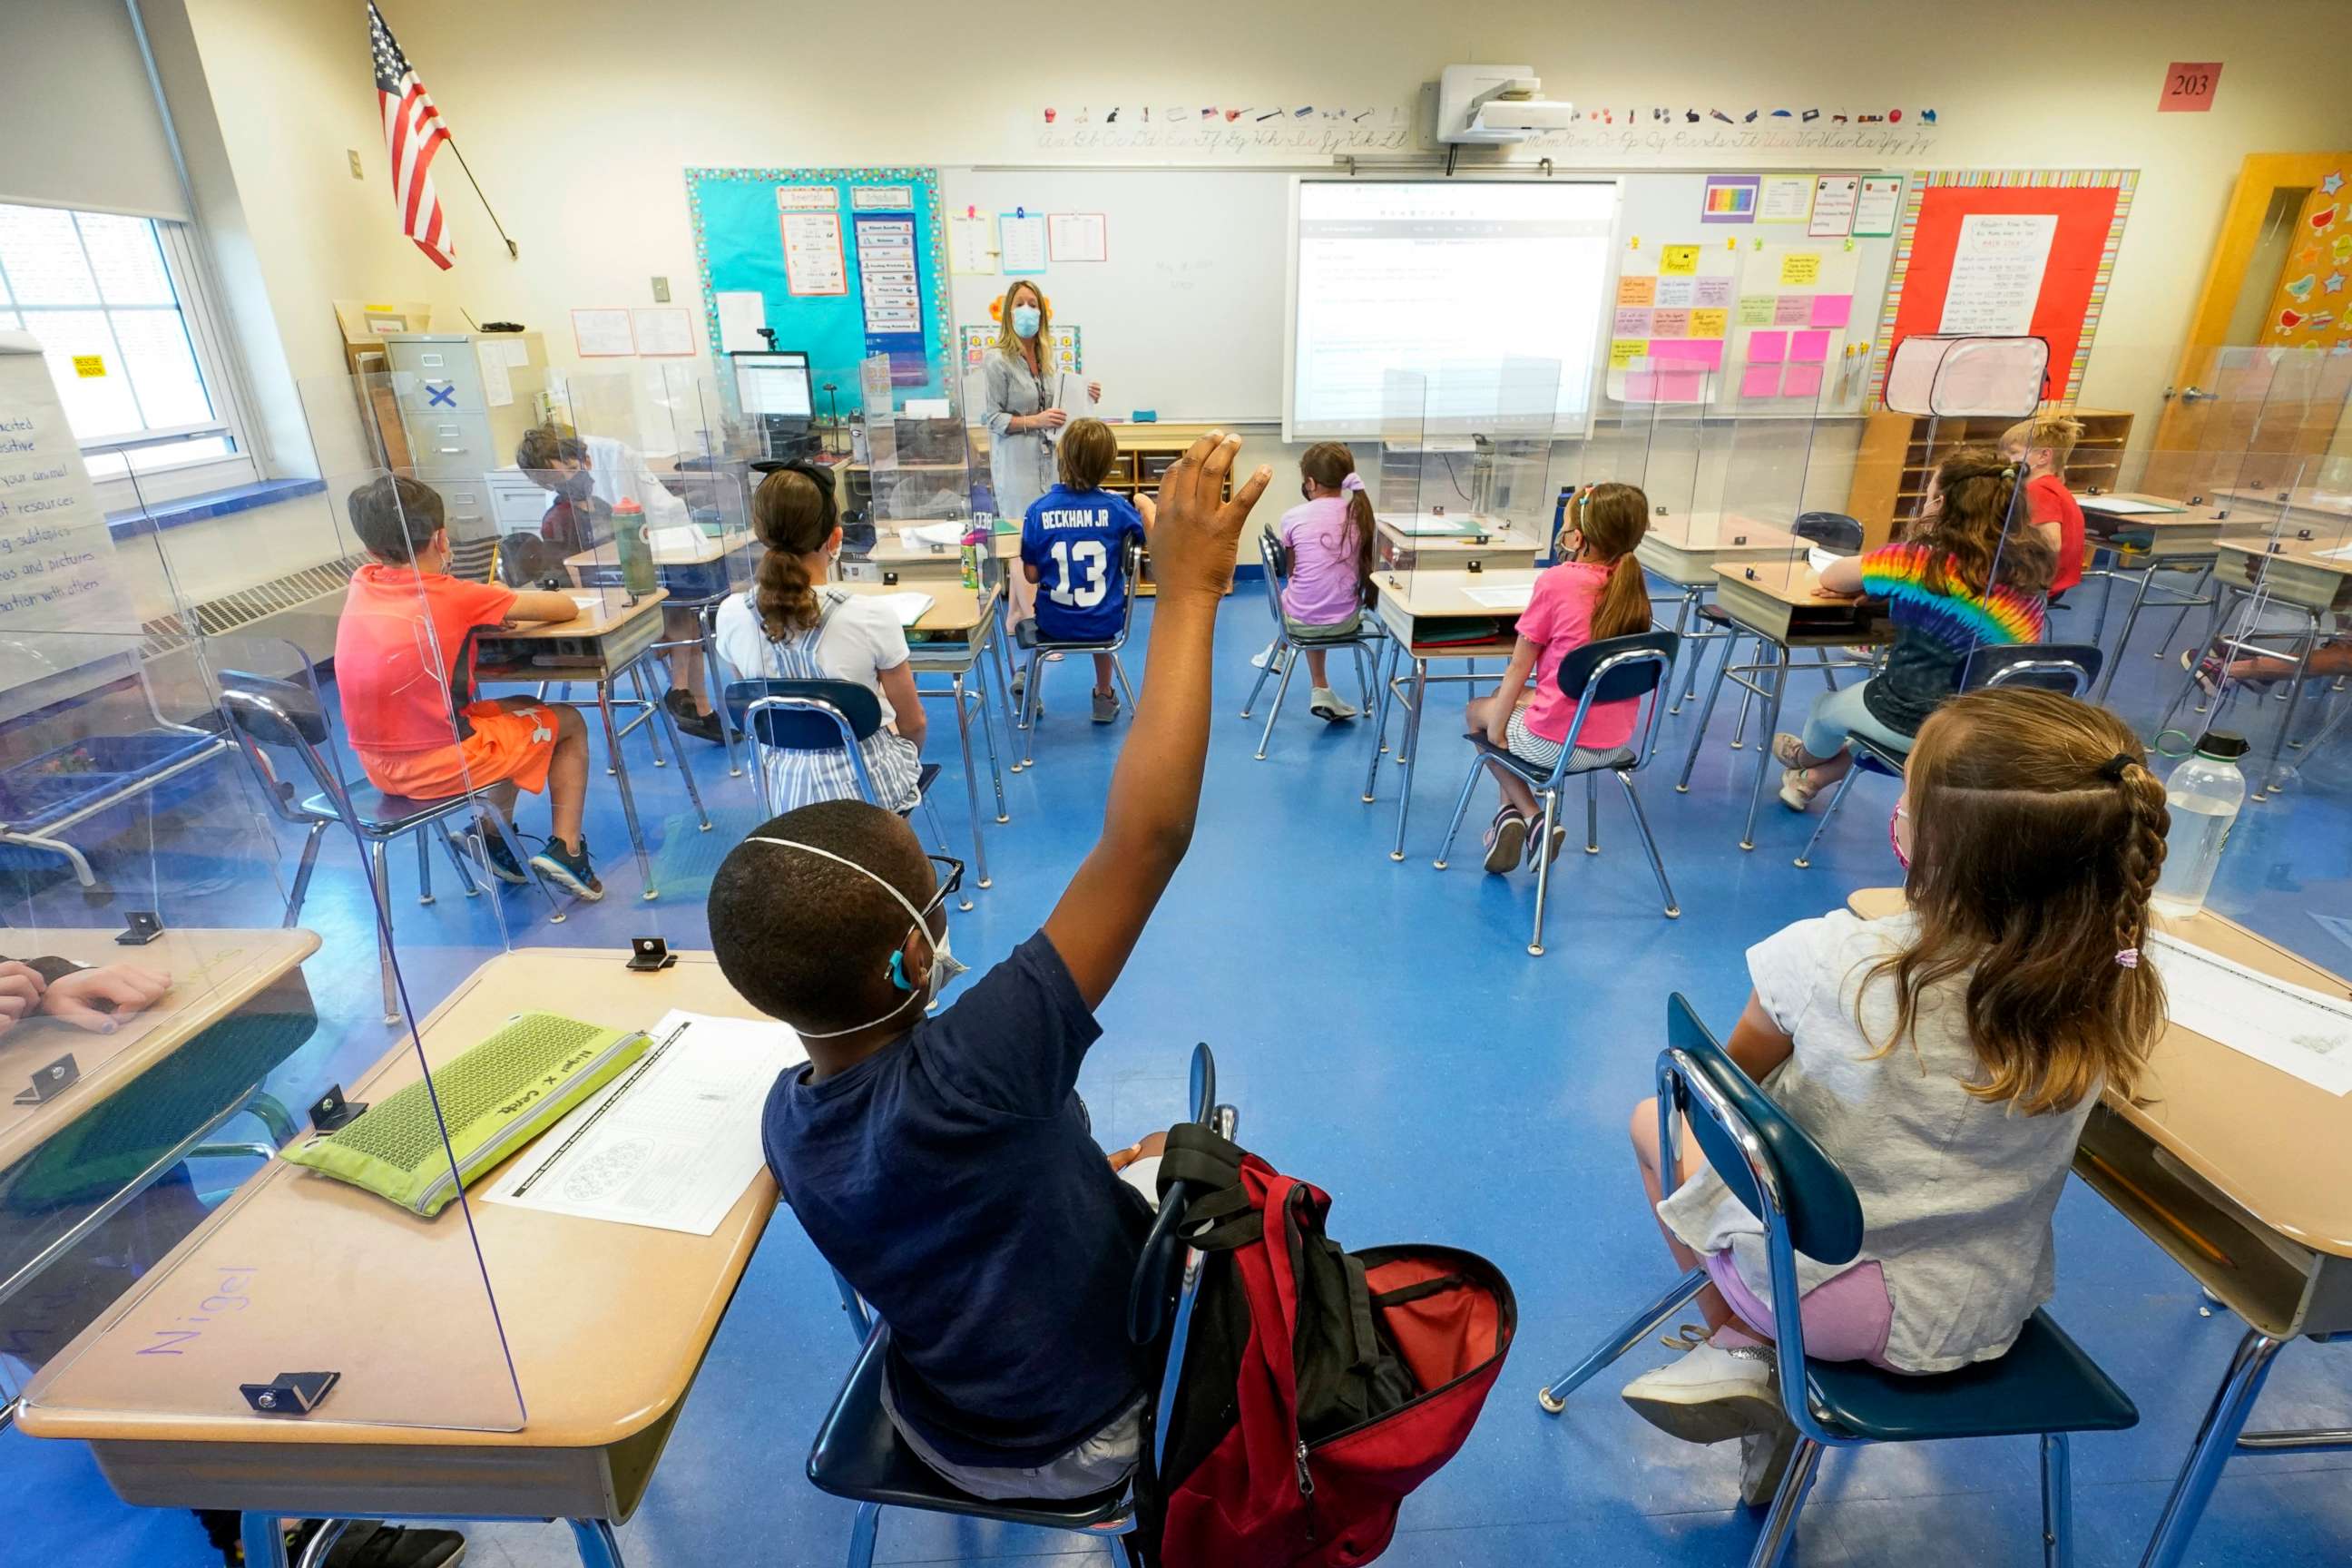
{"type": "Point", "coordinates": [452, 142]}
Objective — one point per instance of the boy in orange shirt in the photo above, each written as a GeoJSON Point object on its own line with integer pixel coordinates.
{"type": "Point", "coordinates": [404, 669]}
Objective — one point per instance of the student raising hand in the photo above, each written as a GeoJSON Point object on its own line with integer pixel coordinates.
{"type": "Point", "coordinates": [1195, 534]}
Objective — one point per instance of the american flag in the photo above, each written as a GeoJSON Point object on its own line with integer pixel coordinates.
{"type": "Point", "coordinates": [413, 133]}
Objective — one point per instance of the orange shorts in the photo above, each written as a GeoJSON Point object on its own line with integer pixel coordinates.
{"type": "Point", "coordinates": [508, 745]}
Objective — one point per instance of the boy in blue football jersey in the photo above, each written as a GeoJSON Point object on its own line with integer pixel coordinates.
{"type": "Point", "coordinates": [1074, 547]}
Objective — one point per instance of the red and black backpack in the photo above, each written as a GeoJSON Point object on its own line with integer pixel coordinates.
{"type": "Point", "coordinates": [1319, 1387]}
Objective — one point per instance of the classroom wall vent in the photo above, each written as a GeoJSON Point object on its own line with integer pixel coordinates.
{"type": "Point", "coordinates": [246, 610]}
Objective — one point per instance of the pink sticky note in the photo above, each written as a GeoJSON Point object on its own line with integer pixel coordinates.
{"type": "Point", "coordinates": [1801, 381]}
{"type": "Point", "coordinates": [1792, 310]}
{"type": "Point", "coordinates": [1707, 351]}
{"type": "Point", "coordinates": [1833, 309]}
{"type": "Point", "coordinates": [1679, 385]}
{"type": "Point", "coordinates": [1665, 323]}
{"type": "Point", "coordinates": [1766, 347]}
{"type": "Point", "coordinates": [1632, 323]}
{"type": "Point", "coordinates": [1809, 348]}
{"type": "Point", "coordinates": [1760, 380]}
{"type": "Point", "coordinates": [1712, 294]}
{"type": "Point", "coordinates": [1641, 387]}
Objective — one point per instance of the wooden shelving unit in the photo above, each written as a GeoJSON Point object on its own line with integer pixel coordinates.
{"type": "Point", "coordinates": [1891, 470]}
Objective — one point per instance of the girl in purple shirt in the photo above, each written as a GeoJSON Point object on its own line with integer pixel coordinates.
{"type": "Point", "coordinates": [1330, 537]}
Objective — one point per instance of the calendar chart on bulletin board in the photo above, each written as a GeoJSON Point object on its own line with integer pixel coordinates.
{"type": "Point", "coordinates": [840, 263]}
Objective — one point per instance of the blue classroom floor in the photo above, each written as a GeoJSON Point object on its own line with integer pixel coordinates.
{"type": "Point", "coordinates": [1385, 1033]}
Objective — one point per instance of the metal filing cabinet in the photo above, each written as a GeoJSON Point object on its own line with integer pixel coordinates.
{"type": "Point", "coordinates": [464, 405]}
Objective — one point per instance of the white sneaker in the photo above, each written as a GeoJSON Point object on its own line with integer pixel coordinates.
{"type": "Point", "coordinates": [1710, 1394]}
{"type": "Point", "coordinates": [1329, 706]}
{"type": "Point", "coordinates": [1268, 656]}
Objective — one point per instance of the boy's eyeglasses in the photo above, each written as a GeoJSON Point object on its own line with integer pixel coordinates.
{"type": "Point", "coordinates": [948, 872]}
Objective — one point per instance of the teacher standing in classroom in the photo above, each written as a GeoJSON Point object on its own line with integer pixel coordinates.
{"type": "Point", "coordinates": [1020, 412]}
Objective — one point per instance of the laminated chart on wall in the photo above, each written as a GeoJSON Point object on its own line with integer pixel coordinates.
{"type": "Point", "coordinates": [1791, 324]}
{"type": "Point", "coordinates": [2017, 250]}
{"type": "Point", "coordinates": [1672, 310]}
{"type": "Point", "coordinates": [843, 263]}
{"type": "Point", "coordinates": [1064, 346]}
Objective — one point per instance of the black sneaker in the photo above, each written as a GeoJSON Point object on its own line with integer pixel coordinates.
{"type": "Point", "coordinates": [501, 859]}
{"type": "Point", "coordinates": [569, 869]}
{"type": "Point", "coordinates": [701, 726]}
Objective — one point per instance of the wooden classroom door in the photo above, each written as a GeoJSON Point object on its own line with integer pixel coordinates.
{"type": "Point", "coordinates": [2281, 278]}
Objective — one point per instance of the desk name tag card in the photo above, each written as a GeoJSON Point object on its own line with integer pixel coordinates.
{"type": "Point", "coordinates": [649, 954]}
{"type": "Point", "coordinates": [140, 928]}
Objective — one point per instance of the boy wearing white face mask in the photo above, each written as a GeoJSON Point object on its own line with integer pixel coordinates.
{"type": "Point", "coordinates": [944, 1165]}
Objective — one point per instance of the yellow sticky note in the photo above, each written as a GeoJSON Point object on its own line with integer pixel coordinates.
{"type": "Point", "coordinates": [1709, 323]}
{"type": "Point", "coordinates": [1800, 268]}
{"type": "Point", "coordinates": [1639, 289]}
{"type": "Point", "coordinates": [1678, 260]}
{"type": "Point", "coordinates": [1624, 352]}
{"type": "Point", "coordinates": [90, 366]}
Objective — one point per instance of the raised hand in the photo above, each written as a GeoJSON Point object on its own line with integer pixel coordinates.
{"type": "Point", "coordinates": [1195, 534]}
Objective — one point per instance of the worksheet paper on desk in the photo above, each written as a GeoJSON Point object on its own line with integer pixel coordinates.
{"type": "Point", "coordinates": [909, 607]}
{"type": "Point", "coordinates": [1501, 598]}
{"type": "Point", "coordinates": [672, 1143]}
{"type": "Point", "coordinates": [1819, 559]}
{"type": "Point", "coordinates": [2299, 1031]}
{"type": "Point", "coordinates": [2117, 506]}
{"type": "Point", "coordinates": [2343, 552]}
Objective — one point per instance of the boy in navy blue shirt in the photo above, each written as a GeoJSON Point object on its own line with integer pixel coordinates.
{"type": "Point", "coordinates": [1074, 547]}
{"type": "Point", "coordinates": [943, 1165]}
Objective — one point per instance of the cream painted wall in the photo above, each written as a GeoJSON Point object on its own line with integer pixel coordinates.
{"type": "Point", "coordinates": [579, 119]}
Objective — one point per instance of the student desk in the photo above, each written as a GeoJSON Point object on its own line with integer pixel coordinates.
{"type": "Point", "coordinates": [1492, 542]}
{"type": "Point", "coordinates": [1685, 549]}
{"type": "Point", "coordinates": [1781, 604]}
{"type": "Point", "coordinates": [696, 577]}
{"type": "Point", "coordinates": [2181, 539]}
{"type": "Point", "coordinates": [604, 642]}
{"type": "Point", "coordinates": [950, 639]}
{"type": "Point", "coordinates": [2242, 1174]}
{"type": "Point", "coordinates": [2296, 577]}
{"type": "Point", "coordinates": [123, 1109]}
{"type": "Point", "coordinates": [605, 1325]}
{"type": "Point", "coordinates": [919, 565]}
{"type": "Point", "coordinates": [1431, 615]}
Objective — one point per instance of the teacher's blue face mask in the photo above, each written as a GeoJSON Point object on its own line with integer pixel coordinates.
{"type": "Point", "coordinates": [1024, 319]}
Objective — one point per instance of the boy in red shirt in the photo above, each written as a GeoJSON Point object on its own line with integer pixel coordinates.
{"type": "Point", "coordinates": [2044, 444]}
{"type": "Point", "coordinates": [416, 728]}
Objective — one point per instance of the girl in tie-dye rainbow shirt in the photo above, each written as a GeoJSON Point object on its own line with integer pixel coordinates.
{"type": "Point", "coordinates": [1964, 579]}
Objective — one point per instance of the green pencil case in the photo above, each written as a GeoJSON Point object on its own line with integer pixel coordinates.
{"type": "Point", "coordinates": [494, 1098]}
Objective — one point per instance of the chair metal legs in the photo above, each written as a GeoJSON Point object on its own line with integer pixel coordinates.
{"type": "Point", "coordinates": [1274, 655]}
{"type": "Point", "coordinates": [1837, 798]}
{"type": "Point", "coordinates": [593, 1539]}
{"type": "Point", "coordinates": [302, 869]}
{"type": "Point", "coordinates": [1461, 806]}
{"type": "Point", "coordinates": [1780, 1525]}
{"type": "Point", "coordinates": [1281, 690]}
{"type": "Point", "coordinates": [1630, 1333]}
{"type": "Point", "coordinates": [1593, 813]}
{"type": "Point", "coordinates": [2057, 1503]}
{"type": "Point", "coordinates": [1657, 863]}
{"type": "Point", "coordinates": [861, 1535]}
{"type": "Point", "coordinates": [1707, 709]}
{"type": "Point", "coordinates": [1119, 668]}
{"type": "Point", "coordinates": [380, 873]}
{"type": "Point", "coordinates": [424, 867]}
{"type": "Point", "coordinates": [2216, 1437]}
{"type": "Point", "coordinates": [1543, 868]}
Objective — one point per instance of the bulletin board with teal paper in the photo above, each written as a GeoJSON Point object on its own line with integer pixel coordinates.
{"type": "Point", "coordinates": [740, 236]}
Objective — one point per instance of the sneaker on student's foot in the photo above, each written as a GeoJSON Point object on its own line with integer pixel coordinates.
{"type": "Point", "coordinates": [501, 859]}
{"type": "Point", "coordinates": [368, 1544]}
{"type": "Point", "coordinates": [1712, 1393]}
{"type": "Point", "coordinates": [1507, 839]}
{"type": "Point", "coordinates": [569, 869]}
{"type": "Point", "coordinates": [1330, 707]}
{"type": "Point", "coordinates": [1105, 707]}
{"type": "Point", "coordinates": [701, 726]}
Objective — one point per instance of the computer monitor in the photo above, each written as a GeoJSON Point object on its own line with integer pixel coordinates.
{"type": "Point", "coordinates": [774, 385]}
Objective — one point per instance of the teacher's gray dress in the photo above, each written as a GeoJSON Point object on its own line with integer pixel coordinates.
{"type": "Point", "coordinates": [1020, 463]}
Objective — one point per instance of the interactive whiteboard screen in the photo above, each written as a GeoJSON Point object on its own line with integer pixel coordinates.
{"type": "Point", "coordinates": [1447, 278]}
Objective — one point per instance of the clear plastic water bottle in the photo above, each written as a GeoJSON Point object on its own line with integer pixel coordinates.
{"type": "Point", "coordinates": [2204, 794]}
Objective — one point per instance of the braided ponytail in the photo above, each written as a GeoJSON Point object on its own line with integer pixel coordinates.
{"type": "Point", "coordinates": [2146, 820]}
{"type": "Point", "coordinates": [794, 515]}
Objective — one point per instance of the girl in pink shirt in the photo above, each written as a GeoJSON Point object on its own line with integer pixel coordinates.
{"type": "Point", "coordinates": [1330, 537]}
{"type": "Point", "coordinates": [1596, 593]}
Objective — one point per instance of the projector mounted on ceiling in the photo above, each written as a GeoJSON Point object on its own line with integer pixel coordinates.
{"type": "Point", "coordinates": [1495, 106]}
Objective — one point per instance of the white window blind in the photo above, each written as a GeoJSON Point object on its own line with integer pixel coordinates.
{"type": "Point", "coordinates": [79, 123]}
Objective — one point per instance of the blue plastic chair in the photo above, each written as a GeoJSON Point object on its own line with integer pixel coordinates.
{"type": "Point", "coordinates": [859, 1455]}
{"type": "Point", "coordinates": [2068, 668]}
{"type": "Point", "coordinates": [2044, 1386]}
{"type": "Point", "coordinates": [1615, 670]}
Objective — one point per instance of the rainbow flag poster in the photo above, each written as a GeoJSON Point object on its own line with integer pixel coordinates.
{"type": "Point", "coordinates": [1730, 199]}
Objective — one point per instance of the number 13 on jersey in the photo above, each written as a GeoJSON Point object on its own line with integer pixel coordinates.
{"type": "Point", "coordinates": [1087, 559]}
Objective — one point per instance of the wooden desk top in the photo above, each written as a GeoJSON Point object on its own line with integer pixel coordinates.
{"type": "Point", "coordinates": [1444, 595]}
{"type": "Point", "coordinates": [2175, 510]}
{"type": "Point", "coordinates": [601, 610]}
{"type": "Point", "coordinates": [955, 609]}
{"type": "Point", "coordinates": [605, 1324]}
{"type": "Point", "coordinates": [2276, 1146]}
{"type": "Point", "coordinates": [2304, 552]}
{"type": "Point", "coordinates": [213, 972]}
{"type": "Point", "coordinates": [1790, 582]}
{"type": "Point", "coordinates": [1724, 530]}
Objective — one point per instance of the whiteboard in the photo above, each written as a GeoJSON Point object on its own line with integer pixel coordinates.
{"type": "Point", "coordinates": [1185, 317]}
